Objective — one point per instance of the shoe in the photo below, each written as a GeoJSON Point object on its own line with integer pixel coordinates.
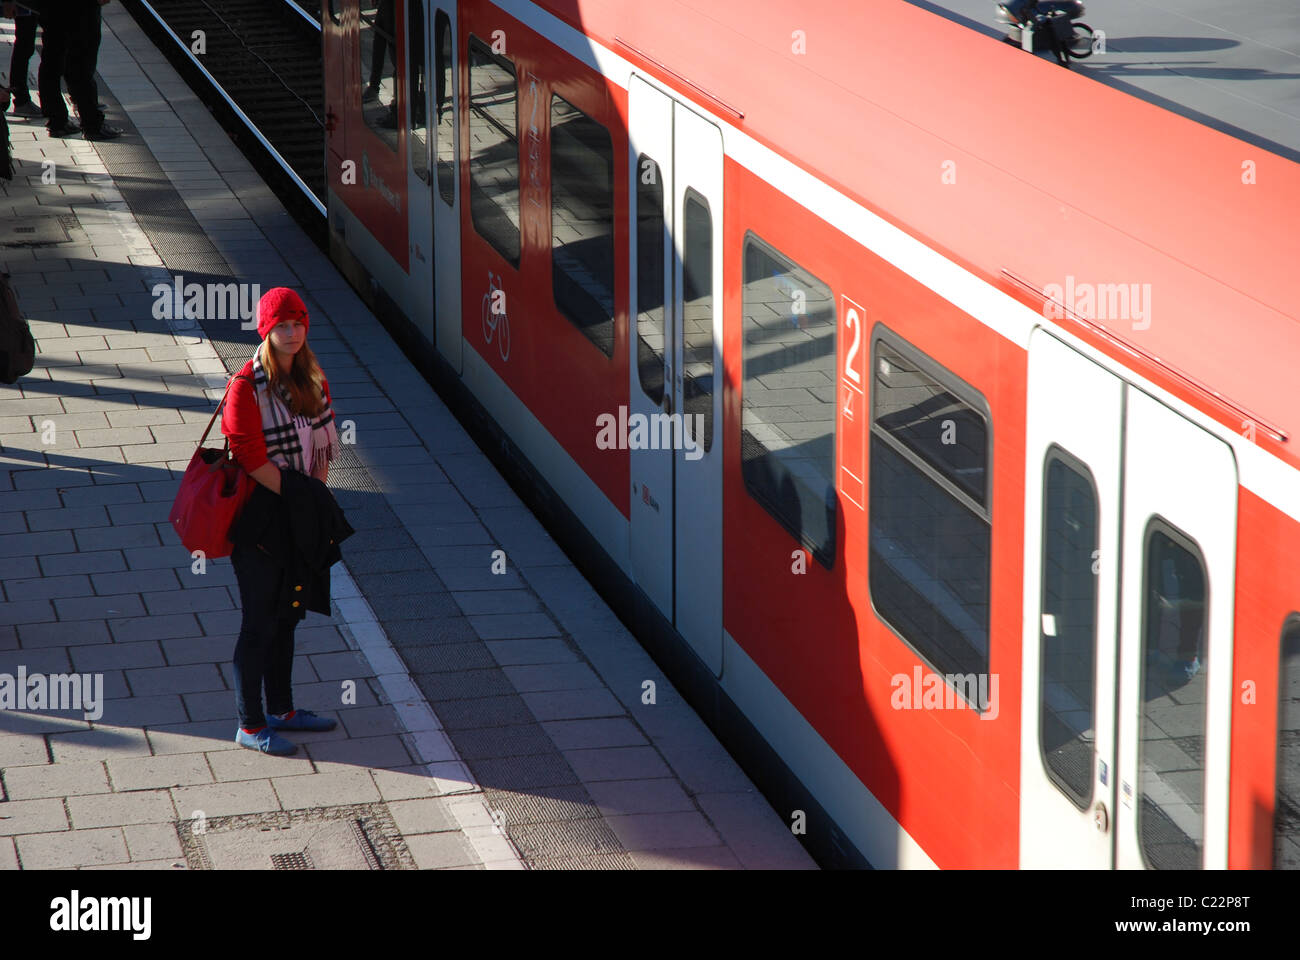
{"type": "Point", "coordinates": [106, 131]}
{"type": "Point", "coordinates": [301, 720]}
{"type": "Point", "coordinates": [65, 130]}
{"type": "Point", "coordinates": [27, 108]}
{"type": "Point", "coordinates": [372, 93]}
{"type": "Point", "coordinates": [266, 740]}
{"type": "Point", "coordinates": [1192, 667]}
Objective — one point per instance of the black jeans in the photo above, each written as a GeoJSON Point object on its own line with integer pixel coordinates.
{"type": "Point", "coordinates": [264, 651]}
{"type": "Point", "coordinates": [69, 51]}
{"type": "Point", "coordinates": [24, 47]}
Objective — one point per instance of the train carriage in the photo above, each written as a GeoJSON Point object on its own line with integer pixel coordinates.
{"type": "Point", "coordinates": [956, 461]}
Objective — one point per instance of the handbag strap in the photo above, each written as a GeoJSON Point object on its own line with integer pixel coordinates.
{"type": "Point", "coordinates": [208, 429]}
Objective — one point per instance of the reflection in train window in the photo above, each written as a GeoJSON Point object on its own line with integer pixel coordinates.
{"type": "Point", "coordinates": [582, 222]}
{"type": "Point", "coordinates": [334, 10]}
{"type": "Point", "coordinates": [378, 61]}
{"type": "Point", "coordinates": [697, 319]}
{"type": "Point", "coordinates": [930, 524]}
{"type": "Point", "coordinates": [494, 149]}
{"type": "Point", "coordinates": [1171, 750]}
{"type": "Point", "coordinates": [787, 440]}
{"type": "Point", "coordinates": [1068, 631]}
{"type": "Point", "coordinates": [445, 118]}
{"type": "Point", "coordinates": [415, 85]}
{"type": "Point", "coordinates": [650, 240]}
{"type": "Point", "coordinates": [1286, 813]}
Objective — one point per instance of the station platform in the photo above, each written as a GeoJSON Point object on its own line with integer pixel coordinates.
{"type": "Point", "coordinates": [486, 720]}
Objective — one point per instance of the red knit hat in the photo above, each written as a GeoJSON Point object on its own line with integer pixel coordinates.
{"type": "Point", "coordinates": [279, 304]}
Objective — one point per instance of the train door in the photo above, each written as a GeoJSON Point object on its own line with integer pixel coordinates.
{"type": "Point", "coordinates": [418, 174]}
{"type": "Point", "coordinates": [1129, 534]}
{"type": "Point", "coordinates": [676, 362]}
{"type": "Point", "coordinates": [444, 181]}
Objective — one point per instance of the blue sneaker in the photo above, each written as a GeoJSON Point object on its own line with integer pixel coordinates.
{"type": "Point", "coordinates": [266, 740]}
{"type": "Point", "coordinates": [301, 720]}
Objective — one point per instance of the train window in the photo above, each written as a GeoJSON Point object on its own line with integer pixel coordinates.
{"type": "Point", "coordinates": [930, 523]}
{"type": "Point", "coordinates": [582, 222]}
{"type": "Point", "coordinates": [445, 119]}
{"type": "Point", "coordinates": [1286, 813]}
{"type": "Point", "coordinates": [1068, 631]}
{"type": "Point", "coordinates": [494, 149]}
{"type": "Point", "coordinates": [415, 85]}
{"type": "Point", "coordinates": [378, 60]}
{"type": "Point", "coordinates": [787, 440]}
{"type": "Point", "coordinates": [697, 318]}
{"type": "Point", "coordinates": [334, 10]}
{"type": "Point", "coordinates": [650, 278]}
{"type": "Point", "coordinates": [1171, 748]}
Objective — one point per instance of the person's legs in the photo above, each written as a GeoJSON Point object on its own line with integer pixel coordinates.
{"type": "Point", "coordinates": [279, 670]}
{"type": "Point", "coordinates": [83, 55]}
{"type": "Point", "coordinates": [24, 47]}
{"type": "Point", "coordinates": [259, 578]}
{"type": "Point", "coordinates": [54, 52]}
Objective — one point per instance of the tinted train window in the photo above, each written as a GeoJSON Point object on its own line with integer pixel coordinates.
{"type": "Point", "coordinates": [378, 60]}
{"type": "Point", "coordinates": [1171, 750]}
{"type": "Point", "coordinates": [1068, 631]}
{"type": "Point", "coordinates": [444, 84]}
{"type": "Point", "coordinates": [1286, 813]}
{"type": "Point", "coordinates": [415, 84]}
{"type": "Point", "coordinates": [650, 240]}
{"type": "Point", "coordinates": [334, 10]}
{"type": "Point", "coordinates": [582, 222]}
{"type": "Point", "coordinates": [494, 149]}
{"type": "Point", "coordinates": [697, 319]}
{"type": "Point", "coordinates": [787, 441]}
{"type": "Point", "coordinates": [930, 524]}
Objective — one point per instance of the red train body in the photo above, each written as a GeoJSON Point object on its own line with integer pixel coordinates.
{"type": "Point", "coordinates": [1103, 324]}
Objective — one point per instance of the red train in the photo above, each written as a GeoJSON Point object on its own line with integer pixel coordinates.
{"type": "Point", "coordinates": [956, 459]}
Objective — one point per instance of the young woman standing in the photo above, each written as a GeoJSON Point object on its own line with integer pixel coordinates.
{"type": "Point", "coordinates": [278, 417]}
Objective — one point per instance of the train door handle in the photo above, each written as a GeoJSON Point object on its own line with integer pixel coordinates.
{"type": "Point", "coordinates": [1100, 817]}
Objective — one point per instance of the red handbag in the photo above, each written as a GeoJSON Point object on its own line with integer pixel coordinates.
{"type": "Point", "coordinates": [213, 492]}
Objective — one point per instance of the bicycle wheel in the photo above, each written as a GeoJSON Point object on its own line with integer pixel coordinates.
{"type": "Point", "coordinates": [1081, 41]}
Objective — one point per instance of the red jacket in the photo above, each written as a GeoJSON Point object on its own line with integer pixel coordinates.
{"type": "Point", "coordinates": [241, 420]}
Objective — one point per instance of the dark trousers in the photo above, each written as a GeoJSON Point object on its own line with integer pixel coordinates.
{"type": "Point", "coordinates": [264, 651]}
{"type": "Point", "coordinates": [69, 51]}
{"type": "Point", "coordinates": [24, 47]}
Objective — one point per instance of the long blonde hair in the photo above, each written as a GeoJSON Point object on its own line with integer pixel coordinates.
{"type": "Point", "coordinates": [303, 381]}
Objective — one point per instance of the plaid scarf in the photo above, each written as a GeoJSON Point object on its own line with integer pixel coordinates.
{"type": "Point", "coordinates": [299, 443]}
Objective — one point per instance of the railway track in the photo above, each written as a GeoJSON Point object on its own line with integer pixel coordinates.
{"type": "Point", "coordinates": [260, 72]}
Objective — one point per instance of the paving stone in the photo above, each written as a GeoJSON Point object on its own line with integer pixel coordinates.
{"type": "Point", "coordinates": [190, 678]}
{"type": "Point", "coordinates": [617, 763]}
{"type": "Point", "coordinates": [622, 797]}
{"type": "Point", "coordinates": [67, 518]}
{"type": "Point", "coordinates": [409, 633]}
{"type": "Point", "coordinates": [560, 676]}
{"type": "Point", "coordinates": [8, 854]}
{"type": "Point", "coordinates": [446, 657]}
{"type": "Point", "coordinates": [107, 494]}
{"type": "Point", "coordinates": [18, 750]}
{"type": "Point", "coordinates": [202, 736]}
{"type": "Point", "coordinates": [522, 772]}
{"type": "Point", "coordinates": [226, 799]}
{"type": "Point", "coordinates": [83, 563]}
{"type": "Point", "coordinates": [63, 634]}
{"type": "Point", "coordinates": [250, 765]}
{"type": "Point", "coordinates": [113, 538]}
{"type": "Point", "coordinates": [463, 684]}
{"type": "Point", "coordinates": [591, 734]}
{"type": "Point", "coordinates": [415, 817]}
{"type": "Point", "coordinates": [55, 780]}
{"type": "Point", "coordinates": [78, 848]}
{"type": "Point", "coordinates": [47, 588]}
{"type": "Point", "coordinates": [474, 603]}
{"type": "Point", "coordinates": [144, 711]}
{"type": "Point", "coordinates": [102, 743]}
{"type": "Point", "coordinates": [169, 629]}
{"type": "Point", "coordinates": [441, 851]}
{"type": "Point", "coordinates": [381, 751]}
{"type": "Point", "coordinates": [116, 656]}
{"type": "Point", "coordinates": [26, 611]}
{"type": "Point", "coordinates": [758, 837]}
{"type": "Point", "coordinates": [405, 783]}
{"type": "Point", "coordinates": [508, 740]}
{"type": "Point", "coordinates": [117, 809]}
{"type": "Point", "coordinates": [658, 831]}
{"type": "Point", "coordinates": [152, 773]}
{"type": "Point", "coordinates": [687, 858]}
{"type": "Point", "coordinates": [188, 601]}
{"type": "Point", "coordinates": [133, 581]}
{"type": "Point", "coordinates": [94, 608]}
{"type": "Point", "coordinates": [332, 789]}
{"type": "Point", "coordinates": [149, 842]}
{"type": "Point", "coordinates": [371, 721]}
{"type": "Point", "coordinates": [572, 704]}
